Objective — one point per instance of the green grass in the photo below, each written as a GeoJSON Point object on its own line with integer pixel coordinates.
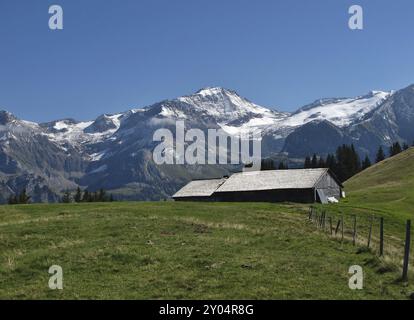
{"type": "Point", "coordinates": [384, 190]}
{"type": "Point", "coordinates": [167, 250]}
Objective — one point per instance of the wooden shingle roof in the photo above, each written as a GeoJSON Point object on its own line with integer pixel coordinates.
{"type": "Point", "coordinates": [272, 180]}
{"type": "Point", "coordinates": [199, 188]}
{"type": "Point", "coordinates": [255, 181]}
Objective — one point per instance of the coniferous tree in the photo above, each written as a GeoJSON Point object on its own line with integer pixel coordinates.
{"type": "Point", "coordinates": [348, 162]}
{"type": "Point", "coordinates": [314, 163]}
{"type": "Point", "coordinates": [331, 162]}
{"type": "Point", "coordinates": [23, 197]}
{"type": "Point", "coordinates": [395, 149]}
{"type": "Point", "coordinates": [78, 195]}
{"type": "Point", "coordinates": [366, 163]}
{"type": "Point", "coordinates": [380, 155]}
{"type": "Point", "coordinates": [281, 166]}
{"type": "Point", "coordinates": [308, 163]}
{"type": "Point", "coordinates": [111, 198]}
{"type": "Point", "coordinates": [86, 196]}
{"type": "Point", "coordinates": [267, 164]}
{"type": "Point", "coordinates": [405, 146]}
{"type": "Point", "coordinates": [66, 198]}
{"type": "Point", "coordinates": [101, 195]}
{"type": "Point", "coordinates": [12, 199]}
{"type": "Point", "coordinates": [321, 163]}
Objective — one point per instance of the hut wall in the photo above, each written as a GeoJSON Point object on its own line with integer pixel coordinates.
{"type": "Point", "coordinates": [287, 195]}
{"type": "Point", "coordinates": [329, 186]}
{"type": "Point", "coordinates": [197, 199]}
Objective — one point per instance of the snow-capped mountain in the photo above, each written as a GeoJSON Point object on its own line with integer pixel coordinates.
{"type": "Point", "coordinates": [115, 151]}
{"type": "Point", "coordinates": [341, 112]}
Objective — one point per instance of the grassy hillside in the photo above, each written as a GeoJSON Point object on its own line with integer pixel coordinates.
{"type": "Point", "coordinates": [181, 250]}
{"type": "Point", "coordinates": [387, 186]}
{"type": "Point", "coordinates": [384, 190]}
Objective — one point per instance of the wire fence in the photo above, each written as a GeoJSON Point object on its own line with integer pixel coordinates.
{"type": "Point", "coordinates": [386, 238]}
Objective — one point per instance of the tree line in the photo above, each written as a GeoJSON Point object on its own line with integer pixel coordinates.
{"type": "Point", "coordinates": [345, 162]}
{"type": "Point", "coordinates": [269, 164]}
{"type": "Point", "coordinates": [79, 196]}
{"type": "Point", "coordinates": [87, 196]}
{"type": "Point", "coordinates": [19, 198]}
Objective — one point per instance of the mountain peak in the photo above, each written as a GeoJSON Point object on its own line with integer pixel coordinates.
{"type": "Point", "coordinates": [6, 117]}
{"type": "Point", "coordinates": [211, 91]}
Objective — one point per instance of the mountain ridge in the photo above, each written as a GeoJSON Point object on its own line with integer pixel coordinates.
{"type": "Point", "coordinates": [114, 151]}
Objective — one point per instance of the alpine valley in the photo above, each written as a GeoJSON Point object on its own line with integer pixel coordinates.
{"type": "Point", "coordinates": [114, 152]}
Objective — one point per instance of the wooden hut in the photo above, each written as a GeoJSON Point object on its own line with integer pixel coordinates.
{"type": "Point", "coordinates": [294, 185]}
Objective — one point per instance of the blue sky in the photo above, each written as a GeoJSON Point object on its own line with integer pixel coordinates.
{"type": "Point", "coordinates": [115, 55]}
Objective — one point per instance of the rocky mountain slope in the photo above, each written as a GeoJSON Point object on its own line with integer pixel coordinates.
{"type": "Point", "coordinates": [115, 151]}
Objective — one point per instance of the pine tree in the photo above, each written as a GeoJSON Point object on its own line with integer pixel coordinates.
{"type": "Point", "coordinates": [308, 163]}
{"type": "Point", "coordinates": [78, 195]}
{"type": "Point", "coordinates": [314, 163]}
{"type": "Point", "coordinates": [366, 163]}
{"type": "Point", "coordinates": [347, 162]}
{"type": "Point", "coordinates": [281, 166]}
{"type": "Point", "coordinates": [86, 196]}
{"type": "Point", "coordinates": [267, 164]}
{"type": "Point", "coordinates": [380, 155]}
{"type": "Point", "coordinates": [23, 197]}
{"type": "Point", "coordinates": [405, 146]}
{"type": "Point", "coordinates": [395, 149]}
{"type": "Point", "coordinates": [331, 162]}
{"type": "Point", "coordinates": [111, 198]}
{"type": "Point", "coordinates": [356, 160]}
{"type": "Point", "coordinates": [12, 199]}
{"type": "Point", "coordinates": [102, 195]}
{"type": "Point", "coordinates": [321, 163]}
{"type": "Point", "coordinates": [66, 198]}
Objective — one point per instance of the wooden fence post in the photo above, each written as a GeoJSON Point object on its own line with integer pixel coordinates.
{"type": "Point", "coordinates": [330, 225]}
{"type": "Point", "coordinates": [381, 253]}
{"type": "Point", "coordinates": [323, 221]}
{"type": "Point", "coordinates": [355, 231]}
{"type": "Point", "coordinates": [406, 251]}
{"type": "Point", "coordinates": [370, 232]}
{"type": "Point", "coordinates": [310, 213]}
{"type": "Point", "coordinates": [319, 220]}
{"type": "Point", "coordinates": [337, 226]}
{"type": "Point", "coordinates": [342, 228]}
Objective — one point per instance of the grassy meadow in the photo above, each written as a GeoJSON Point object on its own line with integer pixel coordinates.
{"type": "Point", "coordinates": [384, 190]}
{"type": "Point", "coordinates": [167, 250]}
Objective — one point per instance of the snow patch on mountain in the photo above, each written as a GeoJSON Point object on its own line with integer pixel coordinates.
{"type": "Point", "coordinates": [78, 133]}
{"type": "Point", "coordinates": [223, 103]}
{"type": "Point", "coordinates": [341, 112]}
